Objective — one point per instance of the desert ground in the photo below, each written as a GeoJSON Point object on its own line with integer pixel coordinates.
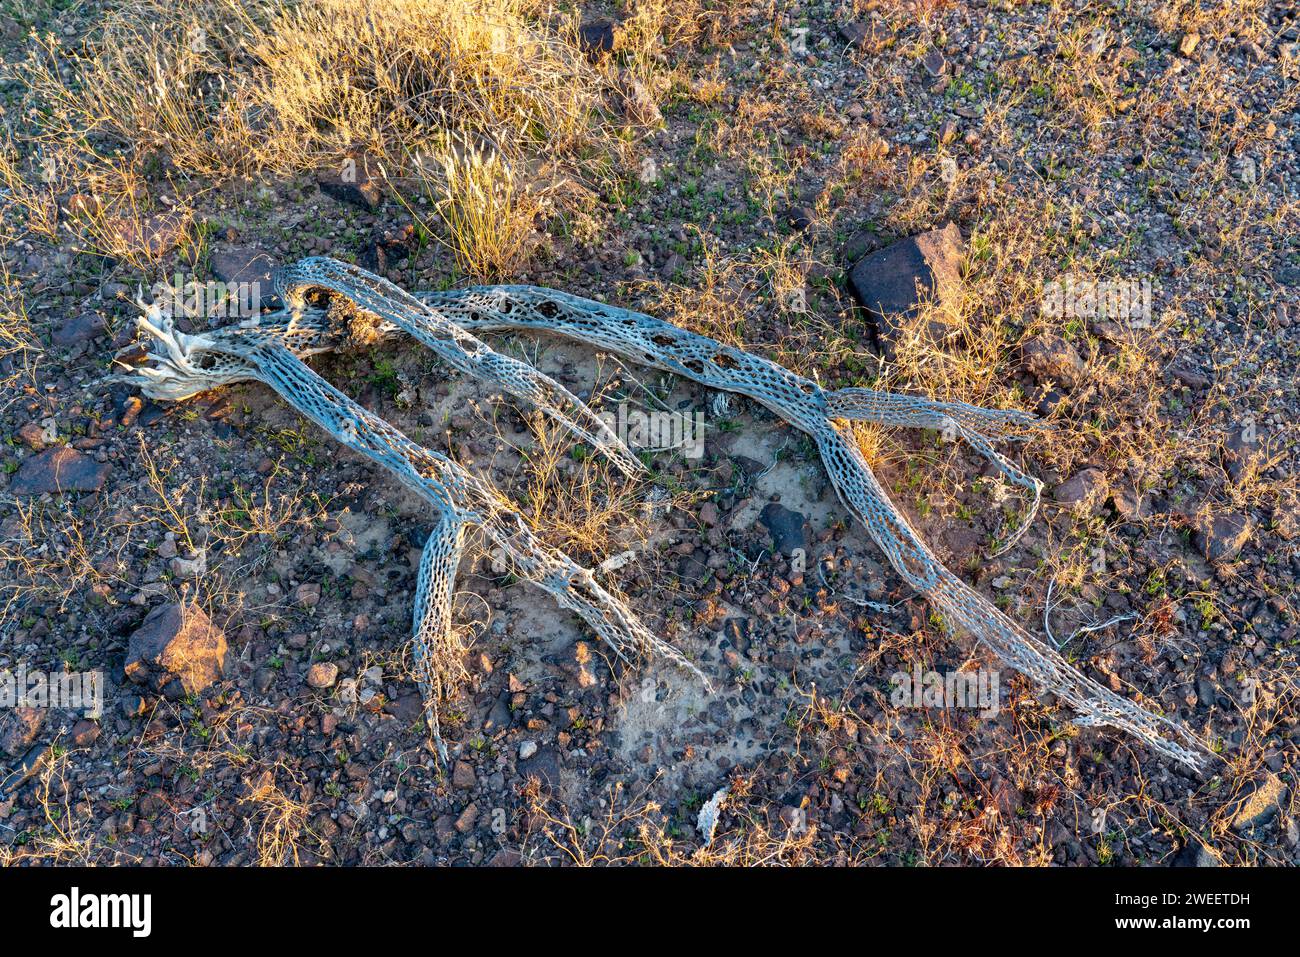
{"type": "Point", "coordinates": [1082, 210]}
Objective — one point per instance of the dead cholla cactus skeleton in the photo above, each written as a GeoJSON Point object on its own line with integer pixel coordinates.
{"type": "Point", "coordinates": [364, 308]}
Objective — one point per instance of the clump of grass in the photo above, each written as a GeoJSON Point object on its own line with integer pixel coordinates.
{"type": "Point", "coordinates": [487, 216]}
{"type": "Point", "coordinates": [654, 27]}
{"type": "Point", "coordinates": [152, 78]}
{"type": "Point", "coordinates": [19, 351]}
{"type": "Point", "coordinates": [585, 509]}
{"type": "Point", "coordinates": [337, 74]}
{"type": "Point", "coordinates": [715, 304]}
{"type": "Point", "coordinates": [636, 830]}
{"type": "Point", "coordinates": [282, 820]}
{"type": "Point", "coordinates": [235, 87]}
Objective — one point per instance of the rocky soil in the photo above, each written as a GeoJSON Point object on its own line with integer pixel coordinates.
{"type": "Point", "coordinates": [246, 586]}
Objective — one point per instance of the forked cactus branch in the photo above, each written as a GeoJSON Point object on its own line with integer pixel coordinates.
{"type": "Point", "coordinates": [179, 366]}
{"type": "Point", "coordinates": [271, 351]}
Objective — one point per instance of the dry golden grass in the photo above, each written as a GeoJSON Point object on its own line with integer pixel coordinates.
{"type": "Point", "coordinates": [577, 501]}
{"type": "Point", "coordinates": [288, 90]}
{"type": "Point", "coordinates": [281, 819]}
{"type": "Point", "coordinates": [1243, 19]}
{"type": "Point", "coordinates": [715, 304]}
{"type": "Point", "coordinates": [54, 554]}
{"type": "Point", "coordinates": [579, 504]}
{"type": "Point", "coordinates": [29, 206]}
{"type": "Point", "coordinates": [98, 206]}
{"type": "Point", "coordinates": [482, 105]}
{"type": "Point", "coordinates": [65, 837]}
{"type": "Point", "coordinates": [237, 84]}
{"type": "Point", "coordinates": [20, 353]}
{"type": "Point", "coordinates": [488, 217]}
{"type": "Point", "coordinates": [151, 77]}
{"type": "Point", "coordinates": [731, 293]}
{"type": "Point", "coordinates": [388, 75]}
{"type": "Point", "coordinates": [634, 830]}
{"type": "Point", "coordinates": [51, 552]}
{"type": "Point", "coordinates": [654, 28]}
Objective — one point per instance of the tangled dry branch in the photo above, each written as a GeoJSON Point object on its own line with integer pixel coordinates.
{"type": "Point", "coordinates": [367, 308]}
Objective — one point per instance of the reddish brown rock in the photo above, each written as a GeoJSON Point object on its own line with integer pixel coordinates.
{"type": "Point", "coordinates": [307, 595]}
{"type": "Point", "coordinates": [468, 817]}
{"type": "Point", "coordinates": [176, 651]}
{"type": "Point", "coordinates": [462, 776]}
{"type": "Point", "coordinates": [1053, 358]}
{"type": "Point", "coordinates": [33, 436]}
{"type": "Point", "coordinates": [85, 733]}
{"type": "Point", "coordinates": [155, 236]}
{"type": "Point", "coordinates": [1221, 537]}
{"type": "Point", "coordinates": [1130, 504]}
{"type": "Point", "coordinates": [322, 675]}
{"type": "Point", "coordinates": [19, 728]}
{"type": "Point", "coordinates": [1083, 490]}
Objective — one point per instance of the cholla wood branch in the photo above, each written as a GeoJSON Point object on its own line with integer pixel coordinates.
{"type": "Point", "coordinates": [367, 309]}
{"type": "Point", "coordinates": [183, 365]}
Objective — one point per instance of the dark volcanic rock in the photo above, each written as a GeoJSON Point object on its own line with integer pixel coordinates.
{"type": "Point", "coordinates": [855, 33]}
{"type": "Point", "coordinates": [354, 181]}
{"type": "Point", "coordinates": [800, 217]}
{"type": "Point", "coordinates": [462, 776]}
{"type": "Point", "coordinates": [80, 328]}
{"type": "Point", "coordinates": [246, 264]}
{"type": "Point", "coordinates": [500, 717]}
{"type": "Point", "coordinates": [1220, 539]}
{"type": "Point", "coordinates": [892, 283]}
{"type": "Point", "coordinates": [1192, 378]}
{"type": "Point", "coordinates": [36, 758]}
{"type": "Point", "coordinates": [545, 766]}
{"type": "Point", "coordinates": [389, 244]}
{"type": "Point", "coordinates": [596, 38]}
{"type": "Point", "coordinates": [59, 469]}
{"type": "Point", "coordinates": [407, 709]}
{"type": "Point", "coordinates": [177, 650]}
{"type": "Point", "coordinates": [1244, 449]}
{"type": "Point", "coordinates": [785, 526]}
{"type": "Point", "coordinates": [1196, 853]}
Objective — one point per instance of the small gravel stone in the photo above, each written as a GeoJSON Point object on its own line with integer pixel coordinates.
{"type": "Point", "coordinates": [322, 675]}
